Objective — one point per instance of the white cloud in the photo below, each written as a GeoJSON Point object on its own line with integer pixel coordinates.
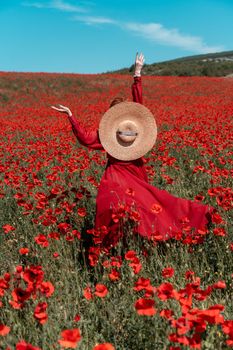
{"type": "Point", "coordinates": [57, 5]}
{"type": "Point", "coordinates": [94, 20]}
{"type": "Point", "coordinates": [156, 32]}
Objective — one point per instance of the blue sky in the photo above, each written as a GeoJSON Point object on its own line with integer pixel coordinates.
{"type": "Point", "coordinates": [95, 36]}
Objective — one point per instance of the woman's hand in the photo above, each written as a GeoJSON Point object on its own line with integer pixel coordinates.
{"type": "Point", "coordinates": [63, 109]}
{"type": "Point", "coordinates": [139, 61]}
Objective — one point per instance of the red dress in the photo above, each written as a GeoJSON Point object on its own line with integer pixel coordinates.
{"type": "Point", "coordinates": [124, 188]}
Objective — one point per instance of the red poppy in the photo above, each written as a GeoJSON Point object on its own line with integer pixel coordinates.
{"type": "Point", "coordinates": [3, 286]}
{"type": "Point", "coordinates": [227, 327]}
{"type": "Point", "coordinates": [211, 315]}
{"type": "Point", "coordinates": [219, 231]}
{"type": "Point", "coordinates": [19, 297]}
{"type": "Point", "coordinates": [42, 240]}
{"type": "Point", "coordinates": [101, 290]}
{"type": "Point", "coordinates": [219, 285]}
{"type": "Point", "coordinates": [8, 228]}
{"type": "Point", "coordinates": [178, 339]}
{"type": "Point", "coordinates": [40, 313]}
{"type": "Point", "coordinates": [79, 195]}
{"type": "Point", "coordinates": [134, 216]}
{"type": "Point", "coordinates": [156, 237]}
{"type": "Point", "coordinates": [144, 284]}
{"type": "Point", "coordinates": [57, 189]}
{"type": "Point", "coordinates": [76, 233]}
{"type": "Point", "coordinates": [47, 288]}
{"type": "Point", "coordinates": [23, 251]}
{"type": "Point", "coordinates": [19, 269]}
{"type": "Point", "coordinates": [168, 179]}
{"type": "Point", "coordinates": [6, 277]}
{"type": "Point", "coordinates": [189, 274]}
{"type": "Point", "coordinates": [167, 272]}
{"type": "Point", "coordinates": [93, 255]}
{"type": "Point", "coordinates": [77, 318]}
{"type": "Point", "coordinates": [200, 294]}
{"type": "Point", "coordinates": [130, 255]}
{"type": "Point", "coordinates": [33, 275]}
{"type": "Point", "coordinates": [70, 338]}
{"type": "Point", "coordinates": [136, 265]}
{"type": "Point", "coordinates": [4, 330]}
{"type": "Point", "coordinates": [116, 261]}
{"type": "Point", "coordinates": [114, 275]}
{"type": "Point", "coordinates": [202, 232]}
{"type": "Point", "coordinates": [166, 313]}
{"type": "Point", "coordinates": [216, 218]}
{"type": "Point", "coordinates": [22, 345]}
{"type": "Point", "coordinates": [199, 197]}
{"type": "Point", "coordinates": [198, 168]}
{"type": "Point", "coordinates": [165, 291]}
{"type": "Point", "coordinates": [182, 325]}
{"type": "Point", "coordinates": [82, 212]}
{"type": "Point", "coordinates": [63, 227]}
{"type": "Point", "coordinates": [141, 284]}
{"type": "Point", "coordinates": [54, 235]}
{"type": "Point", "coordinates": [106, 264]}
{"type": "Point", "coordinates": [92, 180]}
{"type": "Point", "coordinates": [120, 213]}
{"type": "Point", "coordinates": [145, 307]}
{"type": "Point", "coordinates": [87, 293]}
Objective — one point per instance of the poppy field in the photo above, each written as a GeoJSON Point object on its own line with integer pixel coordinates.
{"type": "Point", "coordinates": [58, 289]}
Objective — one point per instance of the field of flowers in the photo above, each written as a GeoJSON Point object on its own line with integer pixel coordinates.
{"type": "Point", "coordinates": [56, 294]}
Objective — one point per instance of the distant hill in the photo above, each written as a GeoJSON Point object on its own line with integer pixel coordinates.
{"type": "Point", "coordinates": [212, 65]}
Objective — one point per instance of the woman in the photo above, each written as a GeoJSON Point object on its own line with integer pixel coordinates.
{"type": "Point", "coordinates": [124, 191]}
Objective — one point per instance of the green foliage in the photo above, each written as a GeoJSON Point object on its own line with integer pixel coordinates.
{"type": "Point", "coordinates": [210, 65]}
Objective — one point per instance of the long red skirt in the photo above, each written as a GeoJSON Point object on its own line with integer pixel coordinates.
{"type": "Point", "coordinates": [124, 188]}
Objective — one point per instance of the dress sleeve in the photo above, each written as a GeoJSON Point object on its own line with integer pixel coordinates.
{"type": "Point", "coordinates": [85, 137]}
{"type": "Point", "coordinates": [137, 89]}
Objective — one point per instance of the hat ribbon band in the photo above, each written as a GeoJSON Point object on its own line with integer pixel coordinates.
{"type": "Point", "coordinates": [127, 133]}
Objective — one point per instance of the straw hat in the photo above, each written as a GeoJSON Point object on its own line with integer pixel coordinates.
{"type": "Point", "coordinates": [127, 130]}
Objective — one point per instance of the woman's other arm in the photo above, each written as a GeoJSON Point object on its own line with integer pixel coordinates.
{"type": "Point", "coordinates": [86, 138]}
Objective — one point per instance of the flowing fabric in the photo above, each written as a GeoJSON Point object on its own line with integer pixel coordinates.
{"type": "Point", "coordinates": [124, 188]}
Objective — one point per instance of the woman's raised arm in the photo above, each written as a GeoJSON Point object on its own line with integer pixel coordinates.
{"type": "Point", "coordinates": [137, 84]}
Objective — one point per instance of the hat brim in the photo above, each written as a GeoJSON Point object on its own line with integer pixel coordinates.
{"type": "Point", "coordinates": [146, 130]}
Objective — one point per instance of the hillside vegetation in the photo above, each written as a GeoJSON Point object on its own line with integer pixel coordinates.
{"type": "Point", "coordinates": [211, 65]}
